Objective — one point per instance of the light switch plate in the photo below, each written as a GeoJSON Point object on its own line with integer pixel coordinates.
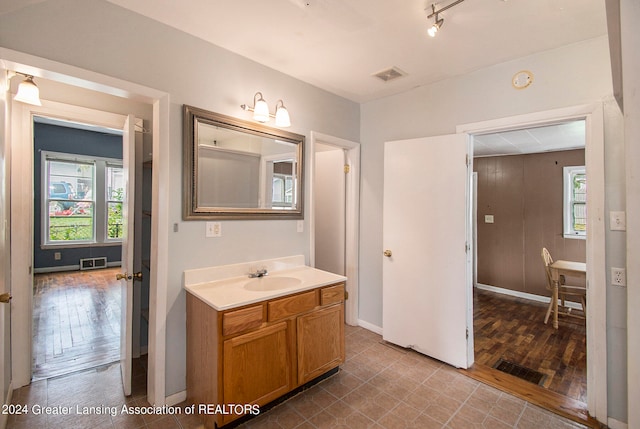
{"type": "Point", "coordinates": [488, 218]}
{"type": "Point", "coordinates": [617, 221]}
{"type": "Point", "coordinates": [300, 226]}
{"type": "Point", "coordinates": [214, 229]}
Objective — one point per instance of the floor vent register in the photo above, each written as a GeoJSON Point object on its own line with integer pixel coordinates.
{"type": "Point", "coordinates": [520, 371]}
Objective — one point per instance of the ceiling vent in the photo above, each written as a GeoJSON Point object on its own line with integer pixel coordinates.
{"type": "Point", "coordinates": [389, 74]}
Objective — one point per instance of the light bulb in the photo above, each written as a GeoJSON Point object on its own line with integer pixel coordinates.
{"type": "Point", "coordinates": [282, 115]}
{"type": "Point", "coordinates": [261, 111]}
{"type": "Point", "coordinates": [28, 92]}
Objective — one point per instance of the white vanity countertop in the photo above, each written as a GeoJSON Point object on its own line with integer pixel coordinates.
{"type": "Point", "coordinates": [223, 287]}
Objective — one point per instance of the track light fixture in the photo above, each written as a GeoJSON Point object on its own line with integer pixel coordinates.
{"type": "Point", "coordinates": [437, 21]}
{"type": "Point", "coordinates": [28, 91]}
{"type": "Point", "coordinates": [261, 113]}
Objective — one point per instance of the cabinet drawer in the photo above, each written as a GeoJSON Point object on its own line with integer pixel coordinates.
{"type": "Point", "coordinates": [331, 295]}
{"type": "Point", "coordinates": [285, 307]}
{"type": "Point", "coordinates": [241, 320]}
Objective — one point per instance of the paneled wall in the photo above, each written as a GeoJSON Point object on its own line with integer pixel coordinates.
{"type": "Point", "coordinates": [524, 194]}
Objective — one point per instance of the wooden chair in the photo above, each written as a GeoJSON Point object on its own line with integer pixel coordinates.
{"type": "Point", "coordinates": [562, 292]}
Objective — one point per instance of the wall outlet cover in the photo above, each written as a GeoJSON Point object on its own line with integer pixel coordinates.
{"type": "Point", "coordinates": [618, 276]}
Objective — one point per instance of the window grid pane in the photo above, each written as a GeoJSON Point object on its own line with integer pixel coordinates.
{"type": "Point", "coordinates": [69, 201]}
{"type": "Point", "coordinates": [115, 196]}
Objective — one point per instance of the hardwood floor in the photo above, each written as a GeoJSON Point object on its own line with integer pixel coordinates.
{"type": "Point", "coordinates": [76, 321]}
{"type": "Point", "coordinates": [512, 329]}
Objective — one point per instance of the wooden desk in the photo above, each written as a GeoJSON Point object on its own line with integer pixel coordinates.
{"type": "Point", "coordinates": [568, 268]}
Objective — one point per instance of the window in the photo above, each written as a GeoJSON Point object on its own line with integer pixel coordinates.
{"type": "Point", "coordinates": [282, 193]}
{"type": "Point", "coordinates": [115, 194]}
{"type": "Point", "coordinates": [575, 202]}
{"type": "Point", "coordinates": [82, 200]}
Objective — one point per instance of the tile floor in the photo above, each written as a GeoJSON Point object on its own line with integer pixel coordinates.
{"type": "Point", "coordinates": [379, 386]}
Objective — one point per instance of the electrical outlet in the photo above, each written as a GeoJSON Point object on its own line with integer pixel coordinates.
{"type": "Point", "coordinates": [618, 276]}
{"type": "Point", "coordinates": [57, 256]}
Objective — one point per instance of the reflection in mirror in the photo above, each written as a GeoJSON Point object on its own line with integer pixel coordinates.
{"type": "Point", "coordinates": [240, 169]}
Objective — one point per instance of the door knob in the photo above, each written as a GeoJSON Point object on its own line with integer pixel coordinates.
{"type": "Point", "coordinates": [5, 297]}
{"type": "Point", "coordinates": [137, 276]}
{"type": "Point", "coordinates": [124, 276]}
{"type": "Point", "coordinates": [387, 253]}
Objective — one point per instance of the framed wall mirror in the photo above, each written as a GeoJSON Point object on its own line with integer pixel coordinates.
{"type": "Point", "coordinates": [237, 169]}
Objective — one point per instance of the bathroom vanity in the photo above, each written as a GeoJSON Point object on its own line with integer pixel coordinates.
{"type": "Point", "coordinates": [252, 340]}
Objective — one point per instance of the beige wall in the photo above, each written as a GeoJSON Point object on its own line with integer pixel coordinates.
{"type": "Point", "coordinates": [524, 194]}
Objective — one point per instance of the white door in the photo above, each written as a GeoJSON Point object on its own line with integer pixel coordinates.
{"type": "Point", "coordinates": [427, 295]}
{"type": "Point", "coordinates": [126, 278]}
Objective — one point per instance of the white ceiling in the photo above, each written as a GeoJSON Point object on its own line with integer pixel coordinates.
{"type": "Point", "coordinates": [570, 135]}
{"type": "Point", "coordinates": [338, 45]}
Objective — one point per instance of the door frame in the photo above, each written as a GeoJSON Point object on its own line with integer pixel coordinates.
{"type": "Point", "coordinates": [352, 223]}
{"type": "Point", "coordinates": [596, 324]}
{"type": "Point", "coordinates": [21, 268]}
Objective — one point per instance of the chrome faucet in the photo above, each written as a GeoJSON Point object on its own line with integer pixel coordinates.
{"type": "Point", "coordinates": [258, 273]}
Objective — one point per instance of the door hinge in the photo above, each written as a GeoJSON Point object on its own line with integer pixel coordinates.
{"type": "Point", "coordinates": [467, 333]}
{"type": "Point", "coordinates": [467, 159]}
{"type": "Point", "coordinates": [347, 168]}
{"type": "Point", "coordinates": [466, 247]}
{"type": "Point", "coordinates": [346, 295]}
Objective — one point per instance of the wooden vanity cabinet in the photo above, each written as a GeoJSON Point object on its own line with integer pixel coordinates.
{"type": "Point", "coordinates": [319, 348]}
{"type": "Point", "coordinates": [256, 366]}
{"type": "Point", "coordinates": [260, 352]}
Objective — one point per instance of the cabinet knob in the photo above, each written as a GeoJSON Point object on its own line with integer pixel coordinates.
{"type": "Point", "coordinates": [387, 253]}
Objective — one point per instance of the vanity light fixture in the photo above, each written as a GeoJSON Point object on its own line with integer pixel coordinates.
{"type": "Point", "coordinates": [28, 91]}
{"type": "Point", "coordinates": [261, 113]}
{"type": "Point", "coordinates": [437, 21]}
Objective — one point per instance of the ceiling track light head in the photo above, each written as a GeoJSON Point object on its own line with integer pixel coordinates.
{"type": "Point", "coordinates": [437, 24]}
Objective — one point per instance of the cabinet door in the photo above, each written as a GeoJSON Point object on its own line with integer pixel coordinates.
{"type": "Point", "coordinates": [320, 342]}
{"type": "Point", "coordinates": [256, 367]}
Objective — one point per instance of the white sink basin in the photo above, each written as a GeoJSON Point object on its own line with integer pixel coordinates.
{"type": "Point", "coordinates": [262, 284]}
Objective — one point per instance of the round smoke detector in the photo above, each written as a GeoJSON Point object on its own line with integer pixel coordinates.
{"type": "Point", "coordinates": [522, 79]}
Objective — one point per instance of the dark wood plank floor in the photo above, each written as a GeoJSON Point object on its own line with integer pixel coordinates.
{"type": "Point", "coordinates": [512, 329]}
{"type": "Point", "coordinates": [76, 321]}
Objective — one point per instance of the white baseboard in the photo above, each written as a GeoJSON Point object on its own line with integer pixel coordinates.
{"type": "Point", "coordinates": [616, 424]}
{"type": "Point", "coordinates": [69, 268]}
{"type": "Point", "coordinates": [175, 399]}
{"type": "Point", "coordinates": [56, 269]}
{"type": "Point", "coordinates": [524, 295]}
{"type": "Point", "coordinates": [369, 326]}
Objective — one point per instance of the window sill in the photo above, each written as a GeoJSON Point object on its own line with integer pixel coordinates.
{"type": "Point", "coordinates": [575, 236]}
{"type": "Point", "coordinates": [74, 245]}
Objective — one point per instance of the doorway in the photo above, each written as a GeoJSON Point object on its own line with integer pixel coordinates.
{"type": "Point", "coordinates": [594, 161]}
{"type": "Point", "coordinates": [80, 192]}
{"type": "Point", "coordinates": [335, 214]}
{"type": "Point", "coordinates": [520, 210]}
